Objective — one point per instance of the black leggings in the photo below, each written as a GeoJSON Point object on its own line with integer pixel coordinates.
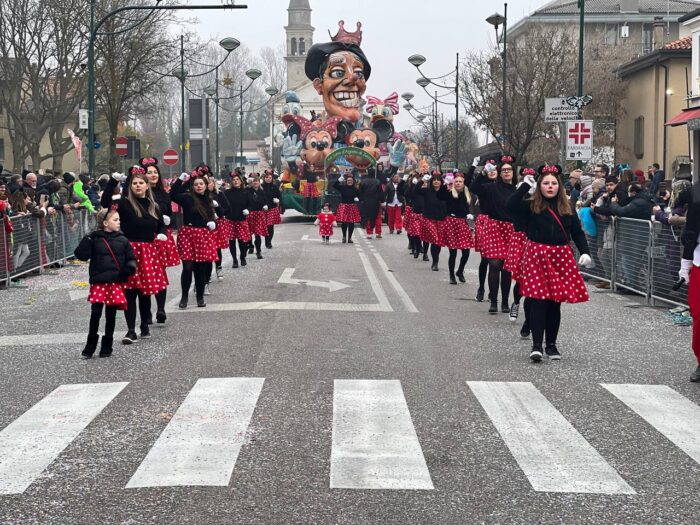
{"type": "Point", "coordinates": [516, 293]}
{"type": "Point", "coordinates": [435, 253]}
{"type": "Point", "coordinates": [348, 228]}
{"type": "Point", "coordinates": [144, 302]}
{"type": "Point", "coordinates": [208, 272]}
{"type": "Point", "coordinates": [496, 274]}
{"type": "Point", "coordinates": [462, 261]}
{"type": "Point", "coordinates": [96, 315]}
{"type": "Point", "coordinates": [483, 268]}
{"type": "Point", "coordinates": [544, 319]}
{"type": "Point", "coordinates": [218, 263]}
{"type": "Point", "coordinates": [270, 235]}
{"type": "Point", "coordinates": [161, 297]}
{"type": "Point", "coordinates": [258, 243]}
{"type": "Point", "coordinates": [199, 269]}
{"type": "Point", "coordinates": [242, 246]}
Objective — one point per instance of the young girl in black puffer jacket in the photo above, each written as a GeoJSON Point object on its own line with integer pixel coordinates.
{"type": "Point", "coordinates": [112, 261]}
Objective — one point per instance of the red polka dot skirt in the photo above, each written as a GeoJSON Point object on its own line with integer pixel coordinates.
{"type": "Point", "coordinates": [168, 250]}
{"type": "Point", "coordinates": [240, 231]}
{"type": "Point", "coordinates": [413, 227]}
{"type": "Point", "coordinates": [496, 238]}
{"type": "Point", "coordinates": [458, 235]}
{"type": "Point", "coordinates": [257, 222]}
{"type": "Point", "coordinates": [513, 261]}
{"type": "Point", "coordinates": [433, 231]}
{"type": "Point", "coordinates": [273, 216]}
{"type": "Point", "coordinates": [550, 272]}
{"type": "Point", "coordinates": [479, 225]}
{"type": "Point", "coordinates": [310, 190]}
{"type": "Point", "coordinates": [348, 213]}
{"type": "Point", "coordinates": [197, 244]}
{"type": "Point", "coordinates": [150, 277]}
{"type": "Point", "coordinates": [222, 233]}
{"type": "Point", "coordinates": [407, 217]}
{"type": "Point", "coordinates": [109, 294]}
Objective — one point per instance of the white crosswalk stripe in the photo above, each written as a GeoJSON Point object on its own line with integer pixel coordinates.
{"type": "Point", "coordinates": [551, 453]}
{"type": "Point", "coordinates": [30, 443]}
{"type": "Point", "coordinates": [666, 410]}
{"type": "Point", "coordinates": [201, 443]}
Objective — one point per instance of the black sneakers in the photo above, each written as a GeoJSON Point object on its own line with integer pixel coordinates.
{"type": "Point", "coordinates": [106, 347]}
{"type": "Point", "coordinates": [479, 295]}
{"type": "Point", "coordinates": [493, 309]}
{"type": "Point", "coordinates": [161, 317]}
{"type": "Point", "coordinates": [536, 353]}
{"type": "Point", "coordinates": [514, 310]}
{"type": "Point", "coordinates": [90, 346]}
{"type": "Point", "coordinates": [130, 338]}
{"type": "Point", "coordinates": [145, 332]}
{"type": "Point", "coordinates": [525, 331]}
{"type": "Point", "coordinates": [504, 308]}
{"type": "Point", "coordinates": [460, 276]}
{"type": "Point", "coordinates": [552, 352]}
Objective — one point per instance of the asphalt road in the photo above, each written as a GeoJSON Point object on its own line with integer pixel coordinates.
{"type": "Point", "coordinates": [393, 398]}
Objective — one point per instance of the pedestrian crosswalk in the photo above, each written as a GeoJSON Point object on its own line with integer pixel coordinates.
{"type": "Point", "coordinates": [373, 444]}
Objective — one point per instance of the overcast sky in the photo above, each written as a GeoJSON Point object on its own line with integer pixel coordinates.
{"type": "Point", "coordinates": [392, 30]}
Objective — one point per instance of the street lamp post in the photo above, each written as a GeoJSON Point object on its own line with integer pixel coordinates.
{"type": "Point", "coordinates": [496, 20]}
{"type": "Point", "coordinates": [422, 116]}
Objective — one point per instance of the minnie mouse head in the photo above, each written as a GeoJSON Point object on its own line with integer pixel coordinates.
{"type": "Point", "coordinates": [134, 170]}
{"type": "Point", "coordinates": [507, 159]}
{"type": "Point", "coordinates": [525, 171]}
{"type": "Point", "coordinates": [145, 162]}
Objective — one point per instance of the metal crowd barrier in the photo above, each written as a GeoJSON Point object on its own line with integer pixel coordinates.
{"type": "Point", "coordinates": [37, 243]}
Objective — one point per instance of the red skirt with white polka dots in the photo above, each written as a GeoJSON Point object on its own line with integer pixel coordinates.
{"type": "Point", "coordinates": [109, 294]}
{"type": "Point", "coordinates": [273, 216]}
{"type": "Point", "coordinates": [348, 213]}
{"type": "Point", "coordinates": [325, 229]}
{"type": "Point", "coordinates": [458, 235]}
{"type": "Point", "coordinates": [513, 261]}
{"type": "Point", "coordinates": [550, 272]}
{"type": "Point", "coordinates": [240, 231]}
{"type": "Point", "coordinates": [222, 233]}
{"type": "Point", "coordinates": [197, 244]}
{"type": "Point", "coordinates": [495, 239]}
{"type": "Point", "coordinates": [168, 250]}
{"type": "Point", "coordinates": [310, 190]}
{"type": "Point", "coordinates": [407, 217]}
{"type": "Point", "coordinates": [150, 277]}
{"type": "Point", "coordinates": [257, 222]}
{"type": "Point", "coordinates": [479, 225]}
{"type": "Point", "coordinates": [413, 228]}
{"type": "Point", "coordinates": [432, 231]}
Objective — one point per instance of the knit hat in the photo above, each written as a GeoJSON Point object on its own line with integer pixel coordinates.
{"type": "Point", "coordinates": [598, 184]}
{"type": "Point", "coordinates": [69, 177]}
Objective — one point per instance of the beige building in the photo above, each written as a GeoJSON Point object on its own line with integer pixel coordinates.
{"type": "Point", "coordinates": [656, 92]}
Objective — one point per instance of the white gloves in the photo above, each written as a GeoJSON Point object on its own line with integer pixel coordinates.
{"type": "Point", "coordinates": [246, 212]}
{"type": "Point", "coordinates": [383, 204]}
{"type": "Point", "coordinates": [405, 177]}
{"type": "Point", "coordinates": [166, 220]}
{"type": "Point", "coordinates": [684, 272]}
{"type": "Point", "coordinates": [119, 177]}
{"type": "Point", "coordinates": [265, 208]}
{"type": "Point", "coordinates": [529, 179]}
{"type": "Point", "coordinates": [489, 168]}
{"type": "Point", "coordinates": [184, 177]}
{"type": "Point", "coordinates": [470, 217]}
{"type": "Point", "coordinates": [341, 179]}
{"type": "Point", "coordinates": [584, 260]}
{"type": "Point", "coordinates": [214, 203]}
{"type": "Point", "coordinates": [475, 162]}
{"type": "Point", "coordinates": [161, 237]}
{"type": "Point", "coordinates": [276, 200]}
{"type": "Point", "coordinates": [356, 199]}
{"type": "Point", "coordinates": [426, 177]}
{"type": "Point", "coordinates": [211, 225]}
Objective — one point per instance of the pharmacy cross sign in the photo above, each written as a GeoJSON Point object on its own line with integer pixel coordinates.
{"type": "Point", "coordinates": [579, 139]}
{"type": "Point", "coordinates": [579, 133]}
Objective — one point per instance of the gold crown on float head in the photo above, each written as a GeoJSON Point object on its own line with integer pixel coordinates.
{"type": "Point", "coordinates": [347, 38]}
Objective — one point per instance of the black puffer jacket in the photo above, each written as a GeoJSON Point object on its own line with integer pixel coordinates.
{"type": "Point", "coordinates": [640, 207]}
{"type": "Point", "coordinates": [103, 268]}
{"type": "Point", "coordinates": [272, 192]}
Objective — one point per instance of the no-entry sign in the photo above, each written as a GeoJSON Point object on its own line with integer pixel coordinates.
{"type": "Point", "coordinates": [170, 157]}
{"type": "Point", "coordinates": [122, 146]}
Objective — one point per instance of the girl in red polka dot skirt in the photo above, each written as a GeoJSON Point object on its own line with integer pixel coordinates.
{"type": "Point", "coordinates": [434, 212]}
{"type": "Point", "coordinates": [112, 261]}
{"type": "Point", "coordinates": [236, 203]}
{"type": "Point", "coordinates": [142, 223]}
{"type": "Point", "coordinates": [549, 272]}
{"type": "Point", "coordinates": [272, 192]}
{"type": "Point", "coordinates": [458, 234]}
{"type": "Point", "coordinates": [348, 212]}
{"type": "Point", "coordinates": [257, 219]}
{"type": "Point", "coordinates": [325, 222]}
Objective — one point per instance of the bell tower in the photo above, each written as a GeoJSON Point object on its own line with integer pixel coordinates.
{"type": "Point", "coordinates": [299, 39]}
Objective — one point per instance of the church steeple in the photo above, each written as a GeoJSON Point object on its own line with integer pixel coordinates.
{"type": "Point", "coordinates": [299, 39]}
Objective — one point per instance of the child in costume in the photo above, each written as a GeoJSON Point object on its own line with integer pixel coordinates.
{"type": "Point", "coordinates": [325, 222]}
{"type": "Point", "coordinates": [112, 261]}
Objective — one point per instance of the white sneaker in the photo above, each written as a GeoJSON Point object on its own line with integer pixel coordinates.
{"type": "Point", "coordinates": [206, 290]}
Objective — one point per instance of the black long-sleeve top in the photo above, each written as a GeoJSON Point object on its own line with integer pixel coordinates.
{"type": "Point", "coordinates": [162, 198]}
{"type": "Point", "coordinates": [691, 230]}
{"type": "Point", "coordinates": [347, 193]}
{"type": "Point", "coordinates": [186, 199]}
{"type": "Point", "coordinates": [235, 200]}
{"type": "Point", "coordinates": [416, 198]}
{"type": "Point", "coordinates": [493, 197]}
{"type": "Point", "coordinates": [458, 207]}
{"type": "Point", "coordinates": [257, 199]}
{"type": "Point", "coordinates": [135, 228]}
{"type": "Point", "coordinates": [542, 227]}
{"type": "Point", "coordinates": [435, 205]}
{"type": "Point", "coordinates": [271, 192]}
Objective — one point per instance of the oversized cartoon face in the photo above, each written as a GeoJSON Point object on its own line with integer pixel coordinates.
{"type": "Point", "coordinates": [317, 146]}
{"type": "Point", "coordinates": [342, 85]}
{"type": "Point", "coordinates": [289, 110]}
{"type": "Point", "coordinates": [365, 139]}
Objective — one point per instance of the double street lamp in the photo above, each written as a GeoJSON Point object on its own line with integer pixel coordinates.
{"type": "Point", "coordinates": [497, 20]}
{"type": "Point", "coordinates": [421, 116]}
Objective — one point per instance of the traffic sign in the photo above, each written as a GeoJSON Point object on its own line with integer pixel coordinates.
{"type": "Point", "coordinates": [170, 157]}
{"type": "Point", "coordinates": [579, 140]}
{"type": "Point", "coordinates": [82, 119]}
{"type": "Point", "coordinates": [559, 110]}
{"type": "Point", "coordinates": [122, 146]}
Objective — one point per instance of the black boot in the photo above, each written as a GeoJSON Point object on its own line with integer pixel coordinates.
{"type": "Point", "coordinates": [479, 295]}
{"type": "Point", "coordinates": [160, 317]}
{"type": "Point", "coordinates": [250, 249]}
{"type": "Point", "coordinates": [452, 277]}
{"type": "Point", "coordinates": [145, 331]}
{"type": "Point", "coordinates": [494, 306]}
{"type": "Point", "coordinates": [259, 255]}
{"type": "Point", "coordinates": [90, 346]}
{"type": "Point", "coordinates": [235, 263]}
{"type": "Point", "coordinates": [504, 308]}
{"type": "Point", "coordinates": [425, 257]}
{"type": "Point", "coordinates": [183, 303]}
{"type": "Point", "coordinates": [243, 261]}
{"type": "Point", "coordinates": [106, 347]}
{"type": "Point", "coordinates": [200, 302]}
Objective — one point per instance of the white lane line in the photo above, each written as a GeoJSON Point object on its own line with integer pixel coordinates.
{"type": "Point", "coordinates": [376, 285]}
{"type": "Point", "coordinates": [374, 444]}
{"type": "Point", "coordinates": [405, 299]}
{"type": "Point", "coordinates": [666, 410]}
{"type": "Point", "coordinates": [30, 443]}
{"type": "Point", "coordinates": [41, 339]}
{"type": "Point", "coordinates": [284, 305]}
{"type": "Point", "coordinates": [551, 452]}
{"type": "Point", "coordinates": [201, 443]}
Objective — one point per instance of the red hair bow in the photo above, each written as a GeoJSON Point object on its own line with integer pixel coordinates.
{"type": "Point", "coordinates": [507, 158]}
{"type": "Point", "coordinates": [529, 171]}
{"type": "Point", "coordinates": [392, 102]}
{"type": "Point", "coordinates": [148, 161]}
{"type": "Point", "coordinates": [138, 169]}
{"type": "Point", "coordinates": [551, 169]}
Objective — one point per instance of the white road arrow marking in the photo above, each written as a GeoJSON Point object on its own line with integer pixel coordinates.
{"type": "Point", "coordinates": [333, 286]}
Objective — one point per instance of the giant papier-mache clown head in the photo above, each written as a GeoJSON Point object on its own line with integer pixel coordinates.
{"type": "Point", "coordinates": [339, 70]}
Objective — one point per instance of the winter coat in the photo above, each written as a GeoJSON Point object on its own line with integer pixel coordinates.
{"type": "Point", "coordinates": [640, 207]}
{"type": "Point", "coordinates": [400, 192]}
{"type": "Point", "coordinates": [103, 268]}
{"type": "Point", "coordinates": [371, 196]}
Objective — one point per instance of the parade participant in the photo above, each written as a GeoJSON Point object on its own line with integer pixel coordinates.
{"type": "Point", "coordinates": [236, 204]}
{"type": "Point", "coordinates": [168, 250]}
{"type": "Point", "coordinates": [112, 261]}
{"type": "Point", "coordinates": [325, 222]}
{"type": "Point", "coordinates": [196, 241]}
{"type": "Point", "coordinates": [371, 197]}
{"type": "Point", "coordinates": [458, 235]}
{"type": "Point", "coordinates": [408, 209]}
{"type": "Point", "coordinates": [257, 220]}
{"type": "Point", "coordinates": [549, 272]}
{"type": "Point", "coordinates": [418, 206]}
{"type": "Point", "coordinates": [348, 212]}
{"type": "Point", "coordinates": [272, 192]}
{"type": "Point", "coordinates": [481, 221]}
{"type": "Point", "coordinates": [690, 271]}
{"type": "Point", "coordinates": [222, 232]}
{"type": "Point", "coordinates": [142, 222]}
{"type": "Point", "coordinates": [395, 200]}
{"type": "Point", "coordinates": [497, 229]}
{"type": "Point", "coordinates": [434, 213]}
